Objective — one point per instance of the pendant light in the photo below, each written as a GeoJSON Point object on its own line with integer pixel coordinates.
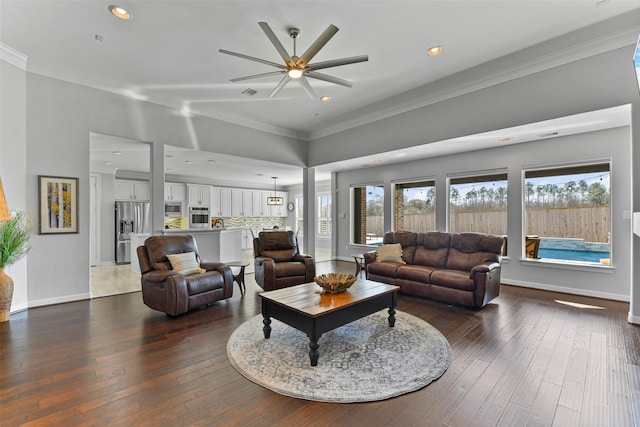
{"type": "Point", "coordinates": [275, 200]}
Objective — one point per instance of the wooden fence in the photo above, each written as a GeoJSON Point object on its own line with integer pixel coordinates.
{"type": "Point", "coordinates": [589, 223]}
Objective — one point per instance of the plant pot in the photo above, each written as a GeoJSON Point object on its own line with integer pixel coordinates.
{"type": "Point", "coordinates": [6, 295]}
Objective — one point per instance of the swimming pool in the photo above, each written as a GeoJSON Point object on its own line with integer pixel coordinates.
{"type": "Point", "coordinates": [588, 256]}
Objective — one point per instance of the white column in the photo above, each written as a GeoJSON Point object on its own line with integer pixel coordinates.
{"type": "Point", "coordinates": [308, 212]}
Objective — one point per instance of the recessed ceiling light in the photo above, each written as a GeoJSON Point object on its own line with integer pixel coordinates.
{"type": "Point", "coordinates": [259, 174]}
{"type": "Point", "coordinates": [119, 11]}
{"type": "Point", "coordinates": [108, 163]}
{"type": "Point", "coordinates": [505, 139]}
{"type": "Point", "coordinates": [117, 153]}
{"type": "Point", "coordinates": [325, 99]}
{"type": "Point", "coordinates": [377, 162]}
{"type": "Point", "coordinates": [435, 50]}
{"type": "Point", "coordinates": [169, 170]}
{"type": "Point", "coordinates": [188, 162]}
{"type": "Point", "coordinates": [211, 161]}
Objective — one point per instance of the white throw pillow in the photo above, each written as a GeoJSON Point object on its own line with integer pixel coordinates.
{"type": "Point", "coordinates": [391, 252]}
{"type": "Point", "coordinates": [185, 263]}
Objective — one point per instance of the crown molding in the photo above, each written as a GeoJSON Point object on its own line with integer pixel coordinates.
{"type": "Point", "coordinates": [13, 57]}
{"type": "Point", "coordinates": [619, 39]}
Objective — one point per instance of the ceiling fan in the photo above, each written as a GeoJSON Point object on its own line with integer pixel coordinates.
{"type": "Point", "coordinates": [298, 68]}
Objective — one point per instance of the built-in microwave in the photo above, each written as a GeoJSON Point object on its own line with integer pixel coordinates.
{"type": "Point", "coordinates": [172, 209]}
{"type": "Point", "coordinates": [199, 217]}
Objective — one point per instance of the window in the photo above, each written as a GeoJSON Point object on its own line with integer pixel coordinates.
{"type": "Point", "coordinates": [415, 206]}
{"type": "Point", "coordinates": [299, 214]}
{"type": "Point", "coordinates": [324, 214]}
{"type": "Point", "coordinates": [478, 203]}
{"type": "Point", "coordinates": [567, 213]}
{"type": "Point", "coordinates": [368, 214]}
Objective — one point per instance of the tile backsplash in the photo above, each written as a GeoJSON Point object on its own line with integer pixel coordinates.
{"type": "Point", "coordinates": [251, 222]}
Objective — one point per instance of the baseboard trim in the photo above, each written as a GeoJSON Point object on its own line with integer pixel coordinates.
{"type": "Point", "coordinates": [565, 290]}
{"type": "Point", "coordinates": [633, 319]}
{"type": "Point", "coordinates": [59, 300]}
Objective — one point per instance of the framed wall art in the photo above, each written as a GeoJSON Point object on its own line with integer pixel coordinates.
{"type": "Point", "coordinates": [58, 204]}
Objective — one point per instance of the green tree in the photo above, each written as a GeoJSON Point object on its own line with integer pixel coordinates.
{"type": "Point", "coordinates": [597, 195]}
{"type": "Point", "coordinates": [529, 191]}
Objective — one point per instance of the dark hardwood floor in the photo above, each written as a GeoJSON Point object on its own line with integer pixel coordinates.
{"type": "Point", "coordinates": [526, 359]}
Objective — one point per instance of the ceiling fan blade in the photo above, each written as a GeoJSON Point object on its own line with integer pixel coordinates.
{"type": "Point", "coordinates": [307, 88]}
{"type": "Point", "coordinates": [276, 43]}
{"type": "Point", "coordinates": [316, 46]}
{"type": "Point", "coordinates": [329, 79]}
{"type": "Point", "coordinates": [257, 76]}
{"type": "Point", "coordinates": [278, 88]}
{"type": "Point", "coordinates": [337, 62]}
{"type": "Point", "coordinates": [251, 58]}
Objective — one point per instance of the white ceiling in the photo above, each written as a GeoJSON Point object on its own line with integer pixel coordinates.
{"type": "Point", "coordinates": [168, 52]}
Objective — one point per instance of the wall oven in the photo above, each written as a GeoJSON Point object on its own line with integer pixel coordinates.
{"type": "Point", "coordinates": [199, 217]}
{"type": "Point", "coordinates": [172, 209]}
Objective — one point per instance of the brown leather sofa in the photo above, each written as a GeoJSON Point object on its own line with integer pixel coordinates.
{"type": "Point", "coordinates": [278, 263]}
{"type": "Point", "coordinates": [456, 268]}
{"type": "Point", "coordinates": [168, 291]}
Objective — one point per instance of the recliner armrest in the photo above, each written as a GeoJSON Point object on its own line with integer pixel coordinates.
{"type": "Point", "coordinates": [260, 260]}
{"type": "Point", "coordinates": [158, 276]}
{"type": "Point", "coordinates": [484, 268]}
{"type": "Point", "coordinates": [369, 257]}
{"type": "Point", "coordinates": [301, 257]}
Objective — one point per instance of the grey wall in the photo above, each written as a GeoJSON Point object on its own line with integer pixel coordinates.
{"type": "Point", "coordinates": [13, 160]}
{"type": "Point", "coordinates": [60, 117]}
{"type": "Point", "coordinates": [601, 79]}
{"type": "Point", "coordinates": [614, 144]}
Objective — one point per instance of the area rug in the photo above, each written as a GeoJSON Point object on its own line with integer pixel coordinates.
{"type": "Point", "coordinates": [363, 361]}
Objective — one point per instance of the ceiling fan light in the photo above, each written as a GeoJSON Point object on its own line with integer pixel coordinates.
{"type": "Point", "coordinates": [295, 73]}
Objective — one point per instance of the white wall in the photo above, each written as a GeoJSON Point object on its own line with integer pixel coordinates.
{"type": "Point", "coordinates": [596, 281]}
{"type": "Point", "coordinates": [13, 159]}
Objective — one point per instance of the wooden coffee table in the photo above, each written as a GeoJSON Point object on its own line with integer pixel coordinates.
{"type": "Point", "coordinates": [313, 313]}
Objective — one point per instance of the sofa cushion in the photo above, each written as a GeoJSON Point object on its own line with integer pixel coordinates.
{"type": "Point", "coordinates": [185, 263]}
{"type": "Point", "coordinates": [471, 249]}
{"type": "Point", "coordinates": [452, 279]}
{"type": "Point", "coordinates": [391, 252]}
{"type": "Point", "coordinates": [408, 241]}
{"type": "Point", "coordinates": [416, 273]}
{"type": "Point", "coordinates": [205, 282]}
{"type": "Point", "coordinates": [388, 269]}
{"type": "Point", "coordinates": [279, 245]}
{"type": "Point", "coordinates": [284, 269]}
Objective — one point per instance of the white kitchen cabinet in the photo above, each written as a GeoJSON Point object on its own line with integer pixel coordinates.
{"type": "Point", "coordinates": [220, 202]}
{"type": "Point", "coordinates": [138, 191]}
{"type": "Point", "coordinates": [259, 205]}
{"type": "Point", "coordinates": [241, 203]}
{"type": "Point", "coordinates": [175, 192]}
{"type": "Point", "coordinates": [199, 195]}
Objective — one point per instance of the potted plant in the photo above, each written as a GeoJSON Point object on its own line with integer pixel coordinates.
{"type": "Point", "coordinates": [14, 244]}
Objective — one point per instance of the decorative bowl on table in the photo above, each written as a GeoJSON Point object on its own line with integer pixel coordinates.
{"type": "Point", "coordinates": [333, 283]}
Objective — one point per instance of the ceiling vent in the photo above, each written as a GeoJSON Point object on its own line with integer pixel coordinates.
{"type": "Point", "coordinates": [249, 92]}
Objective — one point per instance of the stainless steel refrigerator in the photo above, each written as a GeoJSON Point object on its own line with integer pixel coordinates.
{"type": "Point", "coordinates": [131, 217]}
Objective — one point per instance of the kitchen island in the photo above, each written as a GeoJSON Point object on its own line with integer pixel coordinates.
{"type": "Point", "coordinates": [215, 244]}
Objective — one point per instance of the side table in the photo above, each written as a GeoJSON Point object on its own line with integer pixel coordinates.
{"type": "Point", "coordinates": [239, 278]}
{"type": "Point", "coordinates": [359, 264]}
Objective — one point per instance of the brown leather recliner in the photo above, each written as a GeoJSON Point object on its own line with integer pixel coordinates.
{"type": "Point", "coordinates": [168, 291]}
{"type": "Point", "coordinates": [278, 264]}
